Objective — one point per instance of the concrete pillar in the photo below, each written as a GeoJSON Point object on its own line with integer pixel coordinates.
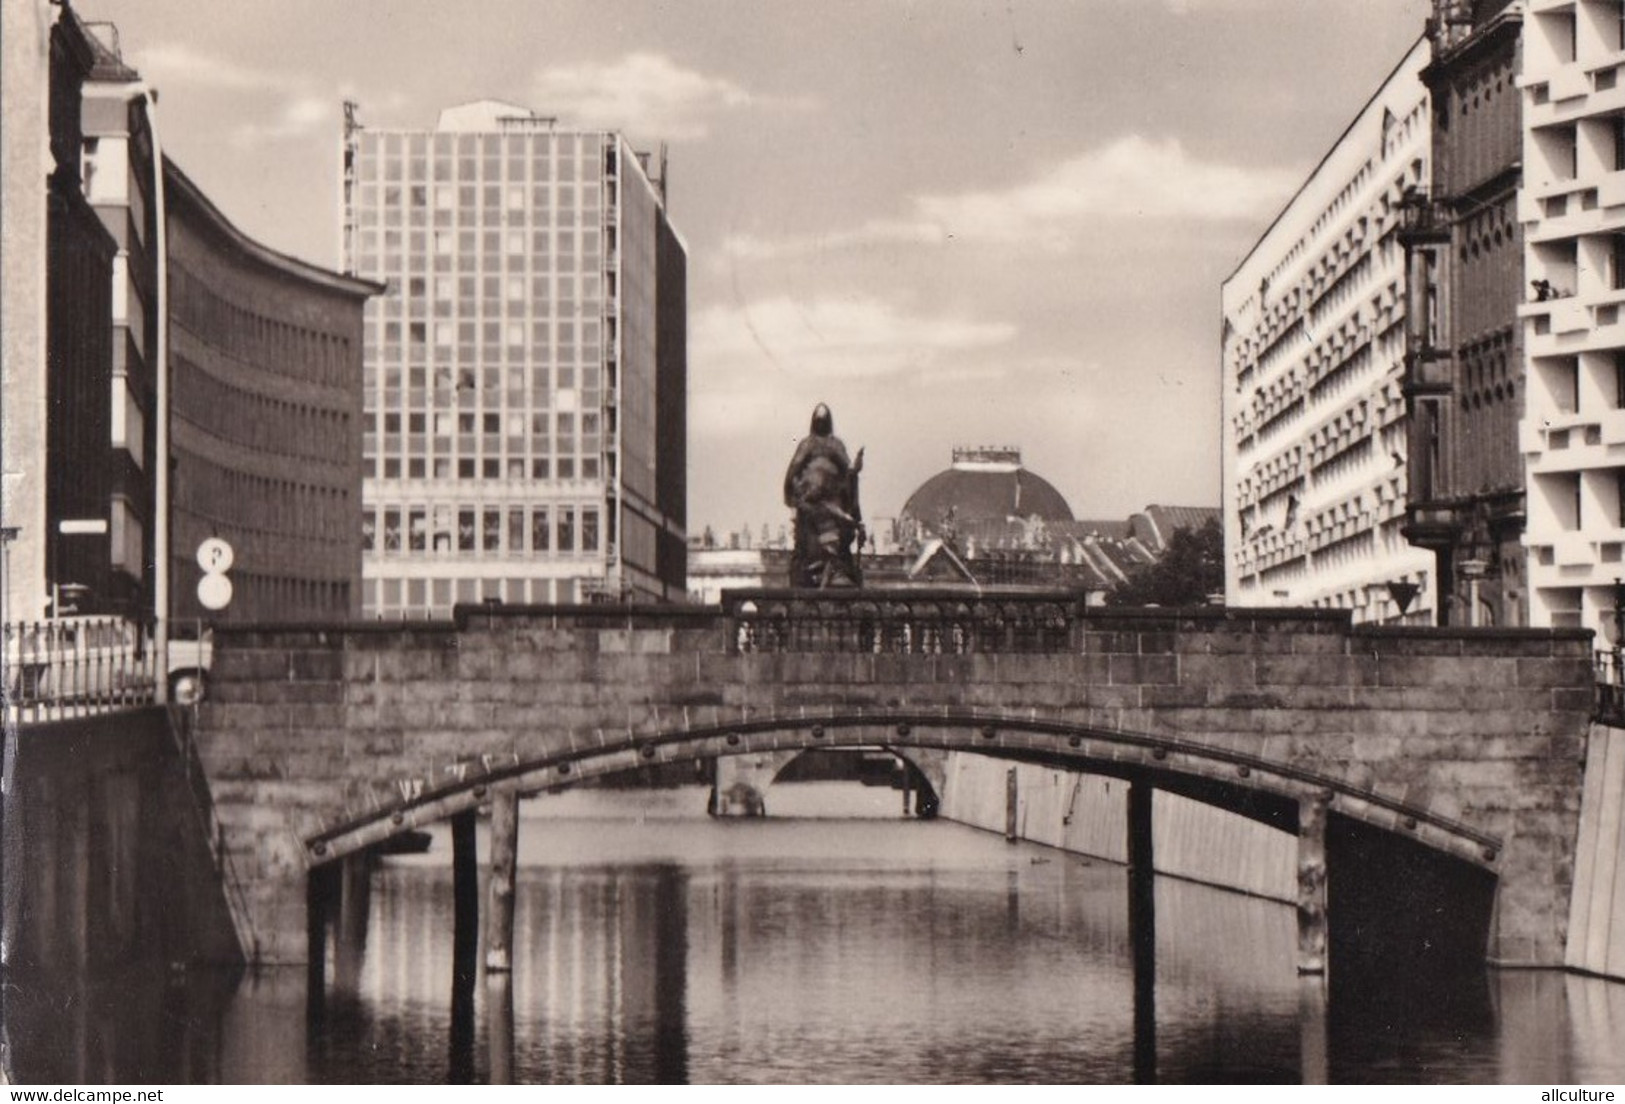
{"type": "Point", "coordinates": [739, 785]}
{"type": "Point", "coordinates": [504, 868]}
{"type": "Point", "coordinates": [1312, 883]}
{"type": "Point", "coordinates": [1142, 926]}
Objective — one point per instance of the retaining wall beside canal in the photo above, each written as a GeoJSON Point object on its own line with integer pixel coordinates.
{"type": "Point", "coordinates": [1088, 815]}
{"type": "Point", "coordinates": [1596, 938]}
{"type": "Point", "coordinates": [107, 859]}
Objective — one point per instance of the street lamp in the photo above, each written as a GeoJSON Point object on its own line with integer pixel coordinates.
{"type": "Point", "coordinates": [1473, 571]}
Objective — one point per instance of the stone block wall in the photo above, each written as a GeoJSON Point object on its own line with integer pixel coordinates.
{"type": "Point", "coordinates": [107, 859]}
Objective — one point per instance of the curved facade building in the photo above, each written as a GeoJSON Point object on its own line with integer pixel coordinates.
{"type": "Point", "coordinates": [265, 397]}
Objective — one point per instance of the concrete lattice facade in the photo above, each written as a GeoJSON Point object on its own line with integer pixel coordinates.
{"type": "Point", "coordinates": [1314, 423]}
{"type": "Point", "coordinates": [526, 368]}
{"type": "Point", "coordinates": [1572, 437]}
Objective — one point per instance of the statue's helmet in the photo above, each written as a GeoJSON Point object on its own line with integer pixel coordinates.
{"type": "Point", "coordinates": [823, 422]}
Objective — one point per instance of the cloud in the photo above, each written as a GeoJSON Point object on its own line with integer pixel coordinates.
{"type": "Point", "coordinates": [1132, 178]}
{"type": "Point", "coordinates": [751, 363]}
{"type": "Point", "coordinates": [303, 114]}
{"type": "Point", "coordinates": [876, 232]}
{"type": "Point", "coordinates": [833, 338]}
{"type": "Point", "coordinates": [644, 92]}
{"type": "Point", "coordinates": [174, 63]}
{"type": "Point", "coordinates": [298, 103]}
{"type": "Point", "coordinates": [1185, 7]}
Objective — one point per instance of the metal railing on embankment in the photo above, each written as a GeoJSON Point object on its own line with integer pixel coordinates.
{"type": "Point", "coordinates": [74, 667]}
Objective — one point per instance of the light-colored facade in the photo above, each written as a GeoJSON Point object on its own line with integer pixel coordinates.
{"type": "Point", "coordinates": [1572, 211]}
{"type": "Point", "coordinates": [25, 163]}
{"type": "Point", "coordinates": [119, 158]}
{"type": "Point", "coordinates": [1314, 418]}
{"type": "Point", "coordinates": [525, 371]}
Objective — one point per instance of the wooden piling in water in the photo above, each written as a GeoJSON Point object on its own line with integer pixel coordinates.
{"type": "Point", "coordinates": [504, 871]}
{"type": "Point", "coordinates": [1142, 927]}
{"type": "Point", "coordinates": [465, 893]}
{"type": "Point", "coordinates": [1312, 884]}
{"type": "Point", "coordinates": [499, 1012]}
{"type": "Point", "coordinates": [1010, 800]}
{"type": "Point", "coordinates": [465, 941]}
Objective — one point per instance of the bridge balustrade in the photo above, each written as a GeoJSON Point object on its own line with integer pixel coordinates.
{"type": "Point", "coordinates": [922, 623]}
{"type": "Point", "coordinates": [74, 667]}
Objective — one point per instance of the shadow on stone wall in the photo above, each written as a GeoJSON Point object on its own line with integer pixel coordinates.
{"type": "Point", "coordinates": [111, 896]}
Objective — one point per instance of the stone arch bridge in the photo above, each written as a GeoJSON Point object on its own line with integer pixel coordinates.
{"type": "Point", "coordinates": [1464, 746]}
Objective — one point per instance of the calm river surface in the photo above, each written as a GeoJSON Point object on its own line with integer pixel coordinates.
{"type": "Point", "coordinates": [656, 945]}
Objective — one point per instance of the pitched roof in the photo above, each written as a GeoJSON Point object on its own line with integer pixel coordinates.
{"type": "Point", "coordinates": [1155, 525]}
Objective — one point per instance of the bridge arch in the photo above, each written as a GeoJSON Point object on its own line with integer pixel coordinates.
{"type": "Point", "coordinates": [1248, 784]}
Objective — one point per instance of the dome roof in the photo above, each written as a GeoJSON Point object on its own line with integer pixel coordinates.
{"type": "Point", "coordinates": [985, 484]}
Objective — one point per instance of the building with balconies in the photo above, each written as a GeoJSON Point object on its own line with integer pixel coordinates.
{"type": "Point", "coordinates": [1314, 414]}
{"type": "Point", "coordinates": [1571, 439]}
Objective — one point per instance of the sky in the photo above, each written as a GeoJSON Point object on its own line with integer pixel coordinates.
{"type": "Point", "coordinates": [956, 223]}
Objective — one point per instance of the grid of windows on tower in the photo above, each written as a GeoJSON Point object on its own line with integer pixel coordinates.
{"type": "Point", "coordinates": [491, 359]}
{"type": "Point", "coordinates": [513, 531]}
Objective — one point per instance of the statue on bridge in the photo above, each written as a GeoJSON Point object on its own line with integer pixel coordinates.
{"type": "Point", "coordinates": [821, 486]}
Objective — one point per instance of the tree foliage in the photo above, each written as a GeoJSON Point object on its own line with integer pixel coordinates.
{"type": "Point", "coordinates": [1191, 568]}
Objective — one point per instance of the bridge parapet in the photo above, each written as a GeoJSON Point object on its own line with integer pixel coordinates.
{"type": "Point", "coordinates": [951, 621]}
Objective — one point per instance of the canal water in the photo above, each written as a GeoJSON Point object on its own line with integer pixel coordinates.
{"type": "Point", "coordinates": [835, 942]}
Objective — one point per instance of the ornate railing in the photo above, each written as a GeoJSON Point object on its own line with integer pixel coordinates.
{"type": "Point", "coordinates": [902, 622]}
{"type": "Point", "coordinates": [73, 667]}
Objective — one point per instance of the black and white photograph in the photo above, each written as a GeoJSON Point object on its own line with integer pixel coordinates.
{"type": "Point", "coordinates": [862, 542]}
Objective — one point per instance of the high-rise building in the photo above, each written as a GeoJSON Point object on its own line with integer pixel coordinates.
{"type": "Point", "coordinates": [1572, 211]}
{"type": "Point", "coordinates": [526, 369]}
{"type": "Point", "coordinates": [1314, 418]}
{"type": "Point", "coordinates": [1465, 366]}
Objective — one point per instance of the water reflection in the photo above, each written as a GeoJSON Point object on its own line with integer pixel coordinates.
{"type": "Point", "coordinates": [678, 949]}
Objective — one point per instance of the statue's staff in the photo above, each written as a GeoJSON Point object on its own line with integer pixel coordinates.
{"type": "Point", "coordinates": [857, 504]}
